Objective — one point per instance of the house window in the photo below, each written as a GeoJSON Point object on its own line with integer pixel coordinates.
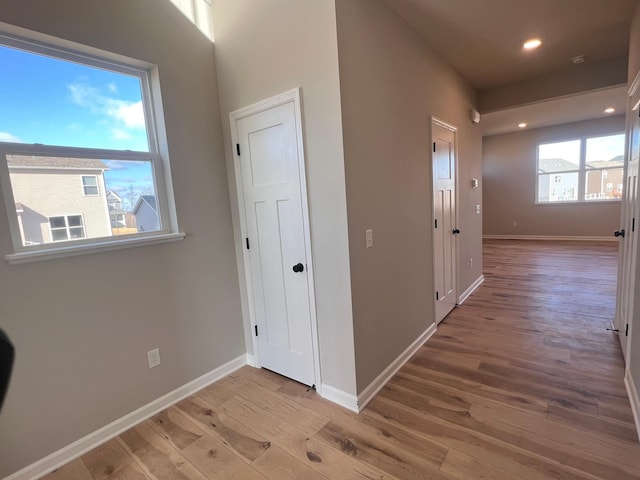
{"type": "Point", "coordinates": [66, 227]}
{"type": "Point", "coordinates": [90, 184]}
{"type": "Point", "coordinates": [584, 169]}
{"type": "Point", "coordinates": [90, 121]}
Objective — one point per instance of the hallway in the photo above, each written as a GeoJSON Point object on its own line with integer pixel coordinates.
{"type": "Point", "coordinates": [522, 382]}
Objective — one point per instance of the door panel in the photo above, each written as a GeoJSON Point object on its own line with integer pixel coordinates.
{"type": "Point", "coordinates": [628, 243]}
{"type": "Point", "coordinates": [445, 220]}
{"type": "Point", "coordinates": [272, 194]}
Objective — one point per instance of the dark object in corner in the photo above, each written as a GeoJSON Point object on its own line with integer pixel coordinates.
{"type": "Point", "coordinates": [6, 364]}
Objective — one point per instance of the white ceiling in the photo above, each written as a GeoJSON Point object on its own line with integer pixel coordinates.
{"type": "Point", "coordinates": [556, 111]}
{"type": "Point", "coordinates": [482, 39]}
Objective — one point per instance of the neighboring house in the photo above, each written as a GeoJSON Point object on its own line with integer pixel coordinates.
{"type": "Point", "coordinates": [605, 179]}
{"type": "Point", "coordinates": [117, 215]}
{"type": "Point", "coordinates": [146, 213]}
{"type": "Point", "coordinates": [77, 210]}
{"type": "Point", "coordinates": [557, 182]}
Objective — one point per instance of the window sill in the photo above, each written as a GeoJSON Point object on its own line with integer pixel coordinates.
{"type": "Point", "coordinates": [85, 249]}
{"type": "Point", "coordinates": [579, 202]}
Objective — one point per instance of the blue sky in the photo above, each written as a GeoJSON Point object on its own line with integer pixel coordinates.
{"type": "Point", "coordinates": [55, 102]}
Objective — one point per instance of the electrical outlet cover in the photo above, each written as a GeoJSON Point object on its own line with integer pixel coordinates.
{"type": "Point", "coordinates": [153, 358]}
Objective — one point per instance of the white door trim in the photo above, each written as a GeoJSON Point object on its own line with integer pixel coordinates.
{"type": "Point", "coordinates": [291, 96]}
{"type": "Point", "coordinates": [448, 126]}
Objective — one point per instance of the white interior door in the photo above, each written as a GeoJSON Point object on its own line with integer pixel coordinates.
{"type": "Point", "coordinates": [269, 157]}
{"type": "Point", "coordinates": [627, 231]}
{"type": "Point", "coordinates": [445, 219]}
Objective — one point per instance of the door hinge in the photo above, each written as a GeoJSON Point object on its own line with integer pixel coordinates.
{"type": "Point", "coordinates": [238, 148]}
{"type": "Point", "coordinates": [626, 330]}
{"type": "Point", "coordinates": [437, 295]}
{"type": "Point", "coordinates": [247, 240]}
{"type": "Point", "coordinates": [256, 329]}
{"type": "Point", "coordinates": [633, 224]}
{"type": "Point", "coordinates": [436, 223]}
{"type": "Point", "coordinates": [434, 147]}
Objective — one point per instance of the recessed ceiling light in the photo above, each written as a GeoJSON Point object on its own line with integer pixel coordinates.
{"type": "Point", "coordinates": [609, 110]}
{"type": "Point", "coordinates": [522, 125]}
{"type": "Point", "coordinates": [532, 44]}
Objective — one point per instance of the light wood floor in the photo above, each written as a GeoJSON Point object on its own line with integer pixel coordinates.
{"type": "Point", "coordinates": [522, 382]}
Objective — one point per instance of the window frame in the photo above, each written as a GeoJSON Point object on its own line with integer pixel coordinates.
{"type": "Point", "coordinates": [157, 154]}
{"type": "Point", "coordinates": [581, 171]}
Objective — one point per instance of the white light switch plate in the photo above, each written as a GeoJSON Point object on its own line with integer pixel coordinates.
{"type": "Point", "coordinates": [368, 235]}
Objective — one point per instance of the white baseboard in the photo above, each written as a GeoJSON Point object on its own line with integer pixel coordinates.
{"type": "Point", "coordinates": [609, 238]}
{"type": "Point", "coordinates": [340, 397]}
{"type": "Point", "coordinates": [381, 380]}
{"type": "Point", "coordinates": [115, 428]}
{"type": "Point", "coordinates": [633, 399]}
{"type": "Point", "coordinates": [471, 289]}
{"type": "Point", "coordinates": [251, 360]}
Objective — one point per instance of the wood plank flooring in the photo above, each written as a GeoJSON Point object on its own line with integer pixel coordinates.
{"type": "Point", "coordinates": [522, 382]}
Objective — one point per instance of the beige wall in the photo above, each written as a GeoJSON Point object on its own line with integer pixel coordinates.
{"type": "Point", "coordinates": [634, 47]}
{"type": "Point", "coordinates": [634, 351]}
{"type": "Point", "coordinates": [391, 85]}
{"type": "Point", "coordinates": [568, 81]}
{"type": "Point", "coordinates": [509, 164]}
{"type": "Point", "coordinates": [82, 326]}
{"type": "Point", "coordinates": [266, 48]}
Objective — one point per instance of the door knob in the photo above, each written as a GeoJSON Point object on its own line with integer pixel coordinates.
{"type": "Point", "coordinates": [298, 268]}
{"type": "Point", "coordinates": [619, 233]}
{"type": "Point", "coordinates": [456, 231]}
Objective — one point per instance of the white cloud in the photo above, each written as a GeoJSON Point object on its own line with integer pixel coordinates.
{"type": "Point", "coordinates": [128, 114]}
{"type": "Point", "coordinates": [131, 114]}
{"type": "Point", "coordinates": [8, 137]}
{"type": "Point", "coordinates": [119, 134]}
{"type": "Point", "coordinates": [113, 88]}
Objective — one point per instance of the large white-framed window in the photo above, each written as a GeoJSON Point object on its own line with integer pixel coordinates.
{"type": "Point", "coordinates": [580, 170]}
{"type": "Point", "coordinates": [87, 127]}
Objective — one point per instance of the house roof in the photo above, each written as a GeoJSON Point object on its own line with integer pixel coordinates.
{"type": "Point", "coordinates": [29, 161]}
{"type": "Point", "coordinates": [148, 199]}
{"type": "Point", "coordinates": [614, 162]}
{"type": "Point", "coordinates": [548, 165]}
{"type": "Point", "coordinates": [111, 194]}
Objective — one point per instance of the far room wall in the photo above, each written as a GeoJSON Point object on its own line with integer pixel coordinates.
{"type": "Point", "coordinates": [509, 177]}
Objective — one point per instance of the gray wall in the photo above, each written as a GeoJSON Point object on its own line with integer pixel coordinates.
{"type": "Point", "coordinates": [391, 84]}
{"type": "Point", "coordinates": [568, 81]}
{"type": "Point", "coordinates": [509, 175]}
{"type": "Point", "coordinates": [266, 48]}
{"type": "Point", "coordinates": [634, 351]}
{"type": "Point", "coordinates": [82, 325]}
